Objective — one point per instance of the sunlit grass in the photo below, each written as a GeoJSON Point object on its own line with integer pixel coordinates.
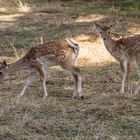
{"type": "Point", "coordinates": [23, 7]}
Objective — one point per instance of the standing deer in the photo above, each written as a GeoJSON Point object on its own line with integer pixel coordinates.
{"type": "Point", "coordinates": [125, 50]}
{"type": "Point", "coordinates": [39, 58]}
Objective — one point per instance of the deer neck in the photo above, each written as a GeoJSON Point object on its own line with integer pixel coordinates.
{"type": "Point", "coordinates": [109, 44]}
{"type": "Point", "coordinates": [17, 66]}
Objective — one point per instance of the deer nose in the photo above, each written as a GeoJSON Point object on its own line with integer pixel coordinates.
{"type": "Point", "coordinates": [104, 38]}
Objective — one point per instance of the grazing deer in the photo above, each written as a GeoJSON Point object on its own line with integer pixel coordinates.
{"type": "Point", "coordinates": [124, 50]}
{"type": "Point", "coordinates": [39, 58]}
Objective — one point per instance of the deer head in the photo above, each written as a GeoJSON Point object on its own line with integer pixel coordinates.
{"type": "Point", "coordinates": [104, 30]}
{"type": "Point", "coordinates": [3, 70]}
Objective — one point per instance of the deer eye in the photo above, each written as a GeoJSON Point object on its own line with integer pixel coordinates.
{"type": "Point", "coordinates": [108, 32]}
{"type": "Point", "coordinates": [100, 32]}
{"type": "Point", "coordinates": [0, 73]}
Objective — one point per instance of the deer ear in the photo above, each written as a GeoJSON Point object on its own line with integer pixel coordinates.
{"type": "Point", "coordinates": [5, 64]}
{"type": "Point", "coordinates": [97, 26]}
{"type": "Point", "coordinates": [111, 26]}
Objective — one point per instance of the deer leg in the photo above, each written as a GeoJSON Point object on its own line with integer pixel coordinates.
{"type": "Point", "coordinates": [78, 83]}
{"type": "Point", "coordinates": [40, 68]}
{"type": "Point", "coordinates": [77, 80]}
{"type": "Point", "coordinates": [124, 66]}
{"type": "Point", "coordinates": [137, 89]}
{"type": "Point", "coordinates": [44, 82]}
{"type": "Point", "coordinates": [75, 86]}
{"type": "Point", "coordinates": [29, 80]}
{"type": "Point", "coordinates": [128, 78]}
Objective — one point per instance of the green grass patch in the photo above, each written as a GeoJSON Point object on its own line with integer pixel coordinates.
{"type": "Point", "coordinates": [107, 7]}
{"type": "Point", "coordinates": [126, 127]}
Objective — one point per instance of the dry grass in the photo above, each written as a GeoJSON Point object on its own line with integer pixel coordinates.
{"type": "Point", "coordinates": [104, 114]}
{"type": "Point", "coordinates": [23, 7]}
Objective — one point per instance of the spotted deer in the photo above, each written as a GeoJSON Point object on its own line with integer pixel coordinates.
{"type": "Point", "coordinates": [125, 50]}
{"type": "Point", "coordinates": [39, 58]}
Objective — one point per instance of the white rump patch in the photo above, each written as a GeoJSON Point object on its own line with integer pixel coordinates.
{"type": "Point", "coordinates": [72, 43]}
{"type": "Point", "coordinates": [75, 47]}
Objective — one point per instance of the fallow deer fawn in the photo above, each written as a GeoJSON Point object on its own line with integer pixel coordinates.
{"type": "Point", "coordinates": [39, 58]}
{"type": "Point", "coordinates": [124, 50]}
